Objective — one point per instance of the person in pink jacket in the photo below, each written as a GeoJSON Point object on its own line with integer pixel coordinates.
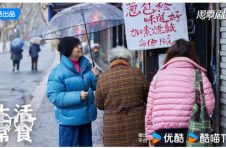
{"type": "Point", "coordinates": [172, 93]}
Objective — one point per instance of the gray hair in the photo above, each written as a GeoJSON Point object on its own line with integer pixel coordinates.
{"type": "Point", "coordinates": [120, 53]}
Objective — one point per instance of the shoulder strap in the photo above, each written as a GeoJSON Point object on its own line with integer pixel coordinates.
{"type": "Point", "coordinates": [199, 84]}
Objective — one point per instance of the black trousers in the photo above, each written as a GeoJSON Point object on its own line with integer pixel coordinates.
{"type": "Point", "coordinates": [34, 63]}
{"type": "Point", "coordinates": [16, 63]}
{"type": "Point", "coordinates": [163, 132]}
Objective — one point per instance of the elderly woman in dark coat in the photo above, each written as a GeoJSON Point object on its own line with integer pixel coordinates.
{"type": "Point", "coordinates": [122, 92]}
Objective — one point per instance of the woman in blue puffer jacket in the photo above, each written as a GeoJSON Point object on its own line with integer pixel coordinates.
{"type": "Point", "coordinates": [70, 88]}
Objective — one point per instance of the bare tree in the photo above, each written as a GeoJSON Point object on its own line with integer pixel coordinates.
{"type": "Point", "coordinates": [32, 20]}
{"type": "Point", "coordinates": [9, 26]}
{"type": "Point", "coordinates": [44, 10]}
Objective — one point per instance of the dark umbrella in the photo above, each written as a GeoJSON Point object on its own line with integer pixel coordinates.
{"type": "Point", "coordinates": [83, 19]}
{"type": "Point", "coordinates": [17, 44]}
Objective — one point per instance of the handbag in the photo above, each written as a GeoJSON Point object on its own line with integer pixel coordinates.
{"type": "Point", "coordinates": [200, 121]}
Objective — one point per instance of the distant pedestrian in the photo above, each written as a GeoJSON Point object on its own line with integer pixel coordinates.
{"type": "Point", "coordinates": [16, 56]}
{"type": "Point", "coordinates": [70, 89]}
{"type": "Point", "coordinates": [122, 92]}
{"type": "Point", "coordinates": [33, 52]}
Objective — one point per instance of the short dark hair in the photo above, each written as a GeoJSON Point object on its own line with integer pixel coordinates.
{"type": "Point", "coordinates": [67, 44]}
{"type": "Point", "coordinates": [182, 48]}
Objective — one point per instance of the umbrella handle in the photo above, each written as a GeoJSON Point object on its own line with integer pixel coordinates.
{"type": "Point", "coordinates": [93, 64]}
{"type": "Point", "coordinates": [83, 17]}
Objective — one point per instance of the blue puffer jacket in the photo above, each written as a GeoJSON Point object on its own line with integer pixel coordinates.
{"type": "Point", "coordinates": [63, 90]}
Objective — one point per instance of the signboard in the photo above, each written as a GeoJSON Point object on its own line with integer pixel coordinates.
{"type": "Point", "coordinates": [154, 25]}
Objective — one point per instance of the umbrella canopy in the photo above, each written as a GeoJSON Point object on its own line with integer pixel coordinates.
{"type": "Point", "coordinates": [36, 40]}
{"type": "Point", "coordinates": [17, 44]}
{"type": "Point", "coordinates": [82, 19]}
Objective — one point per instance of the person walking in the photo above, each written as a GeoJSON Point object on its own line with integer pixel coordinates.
{"type": "Point", "coordinates": [122, 92]}
{"type": "Point", "coordinates": [70, 89]}
{"type": "Point", "coordinates": [34, 49]}
{"type": "Point", "coordinates": [172, 93]}
{"type": "Point", "coordinates": [16, 56]}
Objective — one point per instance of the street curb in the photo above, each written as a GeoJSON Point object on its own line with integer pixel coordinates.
{"type": "Point", "coordinates": [40, 91]}
{"type": "Point", "coordinates": [38, 94]}
{"type": "Point", "coordinates": [36, 97]}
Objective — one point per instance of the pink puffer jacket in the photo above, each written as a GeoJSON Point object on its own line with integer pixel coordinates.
{"type": "Point", "coordinates": [172, 96]}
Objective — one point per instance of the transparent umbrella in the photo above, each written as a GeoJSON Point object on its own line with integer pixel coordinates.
{"type": "Point", "coordinates": [36, 40]}
{"type": "Point", "coordinates": [83, 19]}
